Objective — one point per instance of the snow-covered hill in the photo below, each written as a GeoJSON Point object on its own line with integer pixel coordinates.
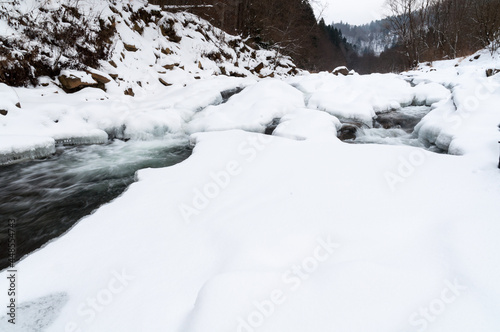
{"type": "Point", "coordinates": [130, 43]}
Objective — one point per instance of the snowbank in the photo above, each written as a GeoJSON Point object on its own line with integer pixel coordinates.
{"type": "Point", "coordinates": [14, 148]}
{"type": "Point", "coordinates": [254, 232]}
{"type": "Point", "coordinates": [467, 121]}
{"type": "Point", "coordinates": [253, 109]}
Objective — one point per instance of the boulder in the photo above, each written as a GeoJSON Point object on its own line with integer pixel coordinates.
{"type": "Point", "coordinates": [129, 92]}
{"type": "Point", "coordinates": [491, 72]}
{"type": "Point", "coordinates": [71, 83]}
{"type": "Point", "coordinates": [162, 81]}
{"type": "Point", "coordinates": [347, 132]}
{"type": "Point", "coordinates": [130, 48]}
{"type": "Point", "coordinates": [341, 71]}
{"type": "Point", "coordinates": [259, 67]}
{"type": "Point", "coordinates": [100, 78]}
{"type": "Point", "coordinates": [166, 51]}
{"type": "Point", "coordinates": [171, 66]}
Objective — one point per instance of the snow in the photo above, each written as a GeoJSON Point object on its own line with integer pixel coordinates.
{"type": "Point", "coordinates": [295, 231]}
{"type": "Point", "coordinates": [467, 121]}
{"type": "Point", "coordinates": [213, 271]}
{"type": "Point", "coordinates": [251, 110]}
{"type": "Point", "coordinates": [355, 97]}
{"type": "Point", "coordinates": [8, 98]}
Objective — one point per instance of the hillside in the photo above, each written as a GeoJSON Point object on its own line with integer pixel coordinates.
{"type": "Point", "coordinates": [373, 38]}
{"type": "Point", "coordinates": [123, 45]}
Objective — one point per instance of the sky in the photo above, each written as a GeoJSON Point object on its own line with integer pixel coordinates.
{"type": "Point", "coordinates": [351, 11]}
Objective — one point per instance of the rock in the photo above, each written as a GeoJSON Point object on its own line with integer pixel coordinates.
{"type": "Point", "coordinates": [223, 70]}
{"type": "Point", "coordinates": [18, 105]}
{"type": "Point", "coordinates": [162, 81]}
{"type": "Point", "coordinates": [347, 132]}
{"type": "Point", "coordinates": [3, 112]}
{"type": "Point", "coordinates": [200, 66]}
{"type": "Point", "coordinates": [341, 71]}
{"type": "Point", "coordinates": [72, 83]}
{"type": "Point", "coordinates": [226, 94]}
{"type": "Point", "coordinates": [100, 78]}
{"type": "Point", "coordinates": [113, 76]}
{"type": "Point", "coordinates": [166, 51]}
{"type": "Point", "coordinates": [272, 126]}
{"type": "Point", "coordinates": [113, 63]}
{"type": "Point", "coordinates": [235, 74]}
{"type": "Point", "coordinates": [129, 92]}
{"type": "Point", "coordinates": [130, 48]}
{"type": "Point", "coordinates": [171, 67]}
{"type": "Point", "coordinates": [259, 67]}
{"type": "Point", "coordinates": [491, 72]}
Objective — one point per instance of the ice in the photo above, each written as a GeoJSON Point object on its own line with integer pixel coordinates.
{"type": "Point", "coordinates": [19, 148]}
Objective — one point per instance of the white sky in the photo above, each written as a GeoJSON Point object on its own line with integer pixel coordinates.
{"type": "Point", "coordinates": [352, 11]}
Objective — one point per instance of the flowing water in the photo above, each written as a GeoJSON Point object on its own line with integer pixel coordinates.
{"type": "Point", "coordinates": [394, 128]}
{"type": "Point", "coordinates": [47, 197]}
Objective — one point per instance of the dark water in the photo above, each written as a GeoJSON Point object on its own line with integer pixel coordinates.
{"type": "Point", "coordinates": [47, 197]}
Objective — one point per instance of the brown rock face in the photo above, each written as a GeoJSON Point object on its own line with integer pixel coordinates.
{"type": "Point", "coordinates": [3, 112]}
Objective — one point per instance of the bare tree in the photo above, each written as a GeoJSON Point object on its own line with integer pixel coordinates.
{"type": "Point", "coordinates": [406, 23]}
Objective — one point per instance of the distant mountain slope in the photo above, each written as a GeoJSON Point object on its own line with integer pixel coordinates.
{"type": "Point", "coordinates": [373, 38]}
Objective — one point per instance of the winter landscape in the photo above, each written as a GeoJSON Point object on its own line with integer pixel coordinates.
{"type": "Point", "coordinates": [194, 179]}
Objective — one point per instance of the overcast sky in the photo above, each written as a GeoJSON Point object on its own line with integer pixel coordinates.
{"type": "Point", "coordinates": [353, 11]}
